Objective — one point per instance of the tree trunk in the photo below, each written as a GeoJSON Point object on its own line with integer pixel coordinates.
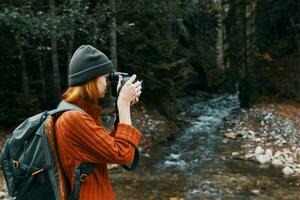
{"type": "Point", "coordinates": [55, 65]}
{"type": "Point", "coordinates": [233, 44]}
{"type": "Point", "coordinates": [172, 12]}
{"type": "Point", "coordinates": [24, 74]}
{"type": "Point", "coordinates": [70, 49]}
{"type": "Point", "coordinates": [220, 40]}
{"type": "Point", "coordinates": [296, 28]}
{"type": "Point", "coordinates": [113, 35]}
{"type": "Point", "coordinates": [246, 93]}
{"type": "Point", "coordinates": [55, 68]}
{"type": "Point", "coordinates": [223, 32]}
{"type": "Point", "coordinates": [25, 82]}
{"type": "Point", "coordinates": [183, 30]}
{"type": "Point", "coordinates": [76, 5]}
{"type": "Point", "coordinates": [42, 74]}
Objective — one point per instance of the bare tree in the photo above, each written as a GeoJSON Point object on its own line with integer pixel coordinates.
{"type": "Point", "coordinates": [55, 64]}
{"type": "Point", "coordinates": [113, 35]}
{"type": "Point", "coordinates": [24, 74]}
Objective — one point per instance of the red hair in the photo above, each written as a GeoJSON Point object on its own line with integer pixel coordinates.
{"type": "Point", "coordinates": [87, 92]}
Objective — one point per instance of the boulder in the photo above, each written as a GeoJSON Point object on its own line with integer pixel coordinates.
{"type": "Point", "coordinates": [259, 150]}
{"type": "Point", "coordinates": [287, 170]}
{"type": "Point", "coordinates": [263, 159]}
{"type": "Point", "coordinates": [230, 135]}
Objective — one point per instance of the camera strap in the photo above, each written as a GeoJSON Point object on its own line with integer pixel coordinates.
{"type": "Point", "coordinates": [135, 161]}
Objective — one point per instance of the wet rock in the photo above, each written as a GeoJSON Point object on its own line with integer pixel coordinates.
{"type": "Point", "coordinates": [255, 191]}
{"type": "Point", "coordinates": [174, 156]}
{"type": "Point", "coordinates": [297, 170]}
{"type": "Point", "coordinates": [225, 141]}
{"type": "Point", "coordinates": [242, 133]}
{"type": "Point", "coordinates": [146, 155]}
{"type": "Point", "coordinates": [249, 155]}
{"type": "Point", "coordinates": [263, 159]}
{"type": "Point", "coordinates": [269, 153]}
{"type": "Point", "coordinates": [176, 198]}
{"type": "Point", "coordinates": [287, 170]}
{"type": "Point", "coordinates": [287, 155]}
{"type": "Point", "coordinates": [289, 160]}
{"type": "Point", "coordinates": [257, 139]}
{"type": "Point", "coordinates": [277, 154]}
{"type": "Point", "coordinates": [278, 143]}
{"type": "Point", "coordinates": [297, 154]}
{"type": "Point", "coordinates": [277, 163]}
{"type": "Point", "coordinates": [235, 153]}
{"type": "Point", "coordinates": [230, 135]}
{"type": "Point", "coordinates": [283, 141]}
{"type": "Point", "coordinates": [259, 150]}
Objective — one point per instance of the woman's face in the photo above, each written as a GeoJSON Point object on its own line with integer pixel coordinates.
{"type": "Point", "coordinates": [102, 85]}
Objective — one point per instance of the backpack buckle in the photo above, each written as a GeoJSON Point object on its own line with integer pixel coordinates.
{"type": "Point", "coordinates": [83, 177]}
{"type": "Point", "coordinates": [16, 164]}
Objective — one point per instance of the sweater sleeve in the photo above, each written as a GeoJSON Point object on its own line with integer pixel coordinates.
{"type": "Point", "coordinates": [90, 142]}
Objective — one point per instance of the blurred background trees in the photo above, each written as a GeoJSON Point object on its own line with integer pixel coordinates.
{"type": "Point", "coordinates": [175, 46]}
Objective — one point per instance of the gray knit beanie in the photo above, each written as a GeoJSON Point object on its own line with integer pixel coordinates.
{"type": "Point", "coordinates": [87, 63]}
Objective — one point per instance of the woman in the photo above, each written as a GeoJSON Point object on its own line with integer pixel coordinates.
{"type": "Point", "coordinates": [81, 136]}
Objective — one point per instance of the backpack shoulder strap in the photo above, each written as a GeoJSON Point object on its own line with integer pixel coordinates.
{"type": "Point", "coordinates": [65, 106]}
{"type": "Point", "coordinates": [84, 169]}
{"type": "Point", "coordinates": [81, 172]}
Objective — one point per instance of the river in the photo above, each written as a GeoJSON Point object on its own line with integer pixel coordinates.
{"type": "Point", "coordinates": [194, 166]}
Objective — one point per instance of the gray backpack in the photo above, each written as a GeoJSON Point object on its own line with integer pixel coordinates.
{"type": "Point", "coordinates": [30, 161]}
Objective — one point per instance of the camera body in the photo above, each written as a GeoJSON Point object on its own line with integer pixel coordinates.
{"type": "Point", "coordinates": [113, 77]}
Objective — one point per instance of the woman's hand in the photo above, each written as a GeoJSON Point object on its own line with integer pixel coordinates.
{"type": "Point", "coordinates": [136, 100]}
{"type": "Point", "coordinates": [130, 92]}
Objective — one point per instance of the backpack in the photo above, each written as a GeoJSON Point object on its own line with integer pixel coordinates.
{"type": "Point", "coordinates": [30, 161]}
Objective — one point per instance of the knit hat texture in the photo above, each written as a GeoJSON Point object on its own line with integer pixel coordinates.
{"type": "Point", "coordinates": [87, 63]}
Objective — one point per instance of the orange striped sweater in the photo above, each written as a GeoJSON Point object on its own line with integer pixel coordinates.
{"type": "Point", "coordinates": [81, 138]}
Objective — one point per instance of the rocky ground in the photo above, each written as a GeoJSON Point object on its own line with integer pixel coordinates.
{"type": "Point", "coordinates": [269, 134]}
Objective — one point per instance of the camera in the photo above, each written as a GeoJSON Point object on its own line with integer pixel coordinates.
{"type": "Point", "coordinates": [113, 77]}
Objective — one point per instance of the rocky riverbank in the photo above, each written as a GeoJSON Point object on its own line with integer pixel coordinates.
{"type": "Point", "coordinates": [268, 134]}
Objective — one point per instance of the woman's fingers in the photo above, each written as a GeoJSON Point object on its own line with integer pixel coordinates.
{"type": "Point", "coordinates": [138, 93]}
{"type": "Point", "coordinates": [131, 91]}
{"type": "Point", "coordinates": [134, 101]}
{"type": "Point", "coordinates": [135, 92]}
{"type": "Point", "coordinates": [130, 81]}
{"type": "Point", "coordinates": [133, 96]}
{"type": "Point", "coordinates": [135, 87]}
{"type": "Point", "coordinates": [138, 83]}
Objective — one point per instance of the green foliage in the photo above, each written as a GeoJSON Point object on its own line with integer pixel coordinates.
{"type": "Point", "coordinates": [164, 52]}
{"type": "Point", "coordinates": [26, 32]}
{"type": "Point", "coordinates": [260, 35]}
{"type": "Point", "coordinates": [171, 45]}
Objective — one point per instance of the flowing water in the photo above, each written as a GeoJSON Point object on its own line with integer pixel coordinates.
{"type": "Point", "coordinates": [193, 165]}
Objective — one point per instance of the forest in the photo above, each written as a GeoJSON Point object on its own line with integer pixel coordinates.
{"type": "Point", "coordinates": [176, 47]}
{"type": "Point", "coordinates": [179, 48]}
